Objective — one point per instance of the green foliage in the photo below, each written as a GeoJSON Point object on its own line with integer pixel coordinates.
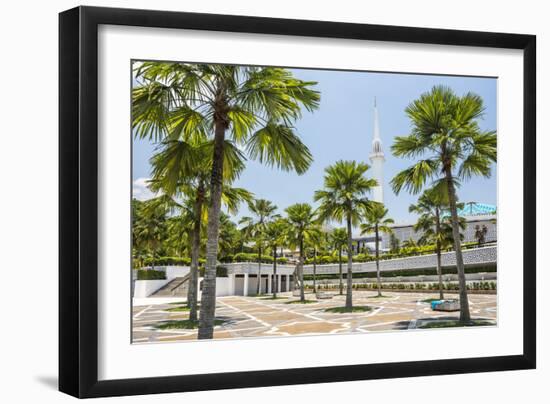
{"type": "Point", "coordinates": [345, 192]}
{"type": "Point", "coordinates": [182, 324]}
{"type": "Point", "coordinates": [354, 309]}
{"type": "Point", "coordinates": [149, 274]}
{"type": "Point", "coordinates": [456, 323]}
{"type": "Point", "coordinates": [406, 272]}
{"type": "Point", "coordinates": [221, 271]}
{"type": "Point", "coordinates": [167, 261]}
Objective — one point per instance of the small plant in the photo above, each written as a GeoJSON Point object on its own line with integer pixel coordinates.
{"type": "Point", "coordinates": [301, 302]}
{"type": "Point", "coordinates": [183, 324]}
{"type": "Point", "coordinates": [180, 308]}
{"type": "Point", "coordinates": [149, 274]}
{"type": "Point", "coordinates": [354, 309]}
{"type": "Point", "coordinates": [456, 323]}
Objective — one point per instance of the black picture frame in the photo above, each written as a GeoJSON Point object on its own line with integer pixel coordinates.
{"type": "Point", "coordinates": [78, 201]}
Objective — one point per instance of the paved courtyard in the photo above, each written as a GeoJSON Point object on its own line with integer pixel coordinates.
{"type": "Point", "coordinates": [260, 317]}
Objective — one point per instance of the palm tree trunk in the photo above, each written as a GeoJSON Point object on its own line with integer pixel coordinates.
{"type": "Point", "coordinates": [438, 252]}
{"type": "Point", "coordinates": [464, 305]}
{"type": "Point", "coordinates": [340, 271]}
{"type": "Point", "coordinates": [208, 299]}
{"type": "Point", "coordinates": [377, 261]}
{"type": "Point", "coordinates": [195, 248]}
{"type": "Point", "coordinates": [301, 271]}
{"type": "Point", "coordinates": [274, 282]}
{"type": "Point", "coordinates": [314, 269]}
{"type": "Point", "coordinates": [349, 291]}
{"type": "Point", "coordinates": [258, 286]}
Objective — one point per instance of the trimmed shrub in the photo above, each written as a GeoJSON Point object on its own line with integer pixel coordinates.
{"type": "Point", "coordinates": [221, 271]}
{"type": "Point", "coordinates": [149, 274]}
{"type": "Point", "coordinates": [251, 257]}
{"type": "Point", "coordinates": [166, 261]}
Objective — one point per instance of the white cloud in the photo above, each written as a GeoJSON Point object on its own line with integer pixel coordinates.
{"type": "Point", "coordinates": [141, 191]}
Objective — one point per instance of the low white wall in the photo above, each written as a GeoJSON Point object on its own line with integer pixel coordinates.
{"type": "Point", "coordinates": [223, 286]}
{"type": "Point", "coordinates": [145, 288]}
{"type": "Point", "coordinates": [176, 271]}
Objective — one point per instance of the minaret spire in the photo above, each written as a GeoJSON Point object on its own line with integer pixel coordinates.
{"type": "Point", "coordinates": [377, 158]}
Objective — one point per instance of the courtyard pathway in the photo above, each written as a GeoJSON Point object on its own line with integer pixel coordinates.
{"type": "Point", "coordinates": [262, 317]}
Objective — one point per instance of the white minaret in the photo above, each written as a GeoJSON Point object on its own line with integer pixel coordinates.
{"type": "Point", "coordinates": [377, 159]}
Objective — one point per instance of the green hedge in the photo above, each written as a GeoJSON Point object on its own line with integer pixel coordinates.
{"type": "Point", "coordinates": [164, 261]}
{"type": "Point", "coordinates": [221, 271]}
{"type": "Point", "coordinates": [149, 274]}
{"type": "Point", "coordinates": [449, 286]}
{"type": "Point", "coordinates": [404, 272]}
{"type": "Point", "coordinates": [252, 257]}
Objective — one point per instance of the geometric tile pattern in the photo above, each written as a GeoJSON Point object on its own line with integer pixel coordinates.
{"type": "Point", "coordinates": [258, 317]}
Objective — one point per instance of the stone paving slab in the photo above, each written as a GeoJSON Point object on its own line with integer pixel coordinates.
{"type": "Point", "coordinates": [259, 317]}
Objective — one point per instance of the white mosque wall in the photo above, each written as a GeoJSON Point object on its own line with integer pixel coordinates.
{"type": "Point", "coordinates": [472, 257]}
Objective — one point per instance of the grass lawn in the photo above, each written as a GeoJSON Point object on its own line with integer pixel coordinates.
{"type": "Point", "coordinates": [354, 309]}
{"type": "Point", "coordinates": [456, 323]}
{"type": "Point", "coordinates": [180, 308]}
{"type": "Point", "coordinates": [300, 302]}
{"type": "Point", "coordinates": [273, 298]}
{"type": "Point", "coordinates": [182, 324]}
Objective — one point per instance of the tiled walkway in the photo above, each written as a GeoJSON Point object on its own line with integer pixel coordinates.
{"type": "Point", "coordinates": [260, 317]}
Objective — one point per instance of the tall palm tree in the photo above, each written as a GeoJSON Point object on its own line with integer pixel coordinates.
{"type": "Point", "coordinates": [263, 211]}
{"type": "Point", "coordinates": [255, 106]}
{"type": "Point", "coordinates": [274, 234]}
{"type": "Point", "coordinates": [343, 198]}
{"type": "Point", "coordinates": [430, 207]}
{"type": "Point", "coordinates": [451, 147]}
{"type": "Point", "coordinates": [339, 241]}
{"type": "Point", "coordinates": [302, 228]}
{"type": "Point", "coordinates": [315, 243]}
{"type": "Point", "coordinates": [181, 168]}
{"type": "Point", "coordinates": [377, 222]}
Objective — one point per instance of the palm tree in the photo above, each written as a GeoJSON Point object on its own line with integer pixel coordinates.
{"type": "Point", "coordinates": [302, 228]}
{"type": "Point", "coordinates": [342, 199]}
{"type": "Point", "coordinates": [339, 241]}
{"type": "Point", "coordinates": [395, 246]}
{"type": "Point", "coordinates": [181, 168]}
{"type": "Point", "coordinates": [409, 243]}
{"type": "Point", "coordinates": [377, 223]}
{"type": "Point", "coordinates": [274, 234]}
{"type": "Point", "coordinates": [446, 136]}
{"type": "Point", "coordinates": [430, 207]}
{"type": "Point", "coordinates": [263, 211]}
{"type": "Point", "coordinates": [255, 106]}
{"type": "Point", "coordinates": [315, 243]}
{"type": "Point", "coordinates": [480, 234]}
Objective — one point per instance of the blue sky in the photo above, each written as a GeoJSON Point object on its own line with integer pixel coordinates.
{"type": "Point", "coordinates": [342, 128]}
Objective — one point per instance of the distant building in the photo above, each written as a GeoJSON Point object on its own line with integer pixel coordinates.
{"type": "Point", "coordinates": [476, 214]}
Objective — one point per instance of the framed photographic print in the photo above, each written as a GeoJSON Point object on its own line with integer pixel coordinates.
{"type": "Point", "coordinates": [251, 201]}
